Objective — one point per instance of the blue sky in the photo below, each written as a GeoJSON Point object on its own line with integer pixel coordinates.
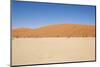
{"type": "Point", "coordinates": [34, 15]}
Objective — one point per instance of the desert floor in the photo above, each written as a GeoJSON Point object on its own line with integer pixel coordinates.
{"type": "Point", "coordinates": [52, 50]}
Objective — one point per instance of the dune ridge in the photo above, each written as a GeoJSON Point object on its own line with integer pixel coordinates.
{"type": "Point", "coordinates": [57, 30]}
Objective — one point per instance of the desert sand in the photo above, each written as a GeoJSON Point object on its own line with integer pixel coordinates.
{"type": "Point", "coordinates": [53, 44]}
{"type": "Point", "coordinates": [52, 50]}
{"type": "Point", "coordinates": [56, 30]}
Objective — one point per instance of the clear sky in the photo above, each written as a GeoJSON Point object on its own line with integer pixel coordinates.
{"type": "Point", "coordinates": [34, 15]}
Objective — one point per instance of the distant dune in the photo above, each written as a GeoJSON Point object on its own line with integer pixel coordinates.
{"type": "Point", "coordinates": [58, 30]}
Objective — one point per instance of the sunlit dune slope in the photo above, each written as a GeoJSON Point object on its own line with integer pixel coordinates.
{"type": "Point", "coordinates": [58, 30]}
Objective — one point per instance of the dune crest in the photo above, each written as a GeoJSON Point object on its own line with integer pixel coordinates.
{"type": "Point", "coordinates": [58, 30]}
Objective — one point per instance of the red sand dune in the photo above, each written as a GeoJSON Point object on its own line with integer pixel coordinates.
{"type": "Point", "coordinates": [58, 30]}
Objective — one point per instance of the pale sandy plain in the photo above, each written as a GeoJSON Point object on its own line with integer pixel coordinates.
{"type": "Point", "coordinates": [52, 50]}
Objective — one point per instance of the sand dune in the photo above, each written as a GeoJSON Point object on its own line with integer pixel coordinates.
{"type": "Point", "coordinates": [58, 30]}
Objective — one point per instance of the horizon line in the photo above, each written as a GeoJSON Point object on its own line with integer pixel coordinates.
{"type": "Point", "coordinates": [51, 25]}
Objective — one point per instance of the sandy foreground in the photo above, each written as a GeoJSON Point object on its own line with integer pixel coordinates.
{"type": "Point", "coordinates": [52, 50]}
